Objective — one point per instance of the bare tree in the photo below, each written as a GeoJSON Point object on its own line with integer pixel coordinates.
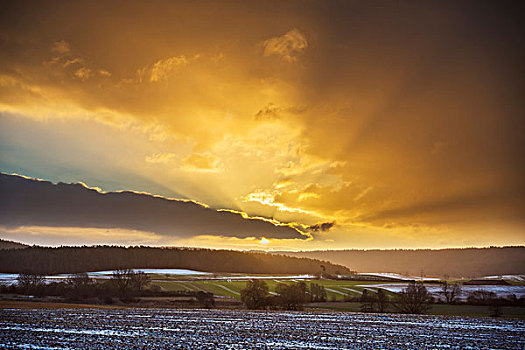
{"type": "Point", "coordinates": [122, 281]}
{"type": "Point", "coordinates": [205, 299]}
{"type": "Point", "coordinates": [374, 302]}
{"type": "Point", "coordinates": [450, 291]}
{"type": "Point", "coordinates": [128, 283]}
{"type": "Point", "coordinates": [481, 297]}
{"type": "Point", "coordinates": [79, 284]}
{"type": "Point", "coordinates": [414, 299]}
{"type": "Point", "coordinates": [382, 301]}
{"type": "Point", "coordinates": [495, 307]}
{"type": "Point", "coordinates": [139, 281]}
{"type": "Point", "coordinates": [292, 296]}
{"type": "Point", "coordinates": [485, 297]}
{"type": "Point", "coordinates": [317, 292]}
{"type": "Point", "coordinates": [368, 301]}
{"type": "Point", "coordinates": [30, 282]}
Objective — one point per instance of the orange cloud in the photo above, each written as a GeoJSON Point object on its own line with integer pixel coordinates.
{"type": "Point", "coordinates": [162, 69]}
{"type": "Point", "coordinates": [160, 158]}
{"type": "Point", "coordinates": [201, 162]}
{"type": "Point", "coordinates": [83, 73]}
{"type": "Point", "coordinates": [288, 46]}
{"type": "Point", "coordinates": [396, 127]}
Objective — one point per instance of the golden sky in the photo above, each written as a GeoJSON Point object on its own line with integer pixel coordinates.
{"type": "Point", "coordinates": [400, 122]}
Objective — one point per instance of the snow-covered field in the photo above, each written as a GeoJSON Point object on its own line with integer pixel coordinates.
{"type": "Point", "coordinates": [500, 291]}
{"type": "Point", "coordinates": [231, 329]}
{"type": "Point", "coordinates": [510, 278]}
{"type": "Point", "coordinates": [171, 272]}
{"type": "Point", "coordinates": [513, 278]}
{"type": "Point", "coordinates": [398, 276]}
{"type": "Point", "coordinates": [8, 278]}
{"type": "Point", "coordinates": [267, 277]}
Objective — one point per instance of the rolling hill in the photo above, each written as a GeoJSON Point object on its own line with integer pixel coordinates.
{"type": "Point", "coordinates": [467, 262]}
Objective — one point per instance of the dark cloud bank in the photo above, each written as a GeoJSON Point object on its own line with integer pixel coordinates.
{"type": "Point", "coordinates": [322, 227]}
{"type": "Point", "coordinates": [25, 202]}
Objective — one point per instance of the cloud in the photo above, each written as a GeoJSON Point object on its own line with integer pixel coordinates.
{"type": "Point", "coordinates": [28, 202]}
{"type": "Point", "coordinates": [160, 158]}
{"type": "Point", "coordinates": [288, 46]}
{"type": "Point", "coordinates": [162, 69]}
{"type": "Point", "coordinates": [78, 67]}
{"type": "Point", "coordinates": [282, 183]}
{"type": "Point", "coordinates": [307, 195]}
{"type": "Point", "coordinates": [61, 47]}
{"type": "Point", "coordinates": [271, 198]}
{"type": "Point", "coordinates": [270, 111]}
{"type": "Point", "coordinates": [376, 106]}
{"type": "Point", "coordinates": [322, 227]}
{"type": "Point", "coordinates": [449, 209]}
{"type": "Point", "coordinates": [46, 235]}
{"type": "Point", "coordinates": [104, 73]}
{"type": "Point", "coordinates": [69, 62]}
{"type": "Point", "coordinates": [201, 162]}
{"type": "Point", "coordinates": [83, 73]}
{"type": "Point", "coordinates": [363, 193]}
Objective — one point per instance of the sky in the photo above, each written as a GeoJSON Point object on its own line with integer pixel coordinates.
{"type": "Point", "coordinates": [313, 124]}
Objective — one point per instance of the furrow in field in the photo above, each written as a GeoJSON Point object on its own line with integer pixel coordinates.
{"type": "Point", "coordinates": [335, 291]}
{"type": "Point", "coordinates": [228, 289]}
{"type": "Point", "coordinates": [352, 290]}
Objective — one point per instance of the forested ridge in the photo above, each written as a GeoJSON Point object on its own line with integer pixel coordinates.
{"type": "Point", "coordinates": [45, 260]}
{"type": "Point", "coordinates": [5, 244]}
{"type": "Point", "coordinates": [464, 262]}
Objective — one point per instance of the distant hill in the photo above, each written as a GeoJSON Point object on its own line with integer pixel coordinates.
{"type": "Point", "coordinates": [82, 259]}
{"type": "Point", "coordinates": [468, 262]}
{"type": "Point", "coordinates": [4, 244]}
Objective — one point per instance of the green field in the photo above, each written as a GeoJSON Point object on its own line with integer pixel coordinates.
{"type": "Point", "coordinates": [335, 290]}
{"type": "Point", "coordinates": [338, 294]}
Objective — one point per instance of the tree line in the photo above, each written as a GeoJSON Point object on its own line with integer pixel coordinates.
{"type": "Point", "coordinates": [64, 260]}
{"type": "Point", "coordinates": [125, 284]}
{"type": "Point", "coordinates": [414, 299]}
{"type": "Point", "coordinates": [288, 296]}
{"type": "Point", "coordinates": [292, 296]}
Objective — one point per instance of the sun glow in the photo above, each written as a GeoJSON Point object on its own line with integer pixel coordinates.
{"type": "Point", "coordinates": [266, 119]}
{"type": "Point", "coordinates": [264, 241]}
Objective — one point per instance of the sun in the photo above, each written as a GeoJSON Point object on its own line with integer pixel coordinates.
{"type": "Point", "coordinates": [264, 241]}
